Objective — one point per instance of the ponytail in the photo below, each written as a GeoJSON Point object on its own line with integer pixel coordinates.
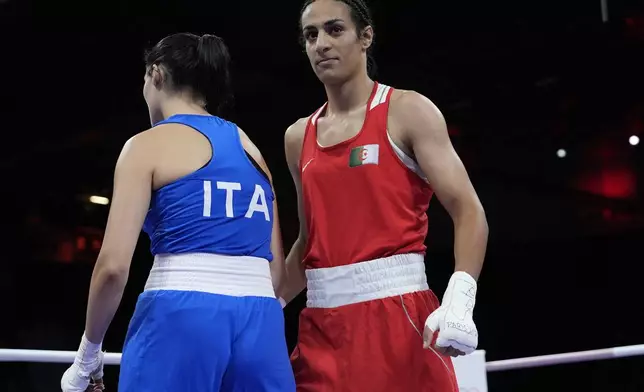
{"type": "Point", "coordinates": [200, 65]}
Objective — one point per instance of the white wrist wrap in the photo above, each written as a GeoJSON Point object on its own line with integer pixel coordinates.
{"type": "Point", "coordinates": [461, 291]}
{"type": "Point", "coordinates": [453, 319]}
{"type": "Point", "coordinates": [88, 352]}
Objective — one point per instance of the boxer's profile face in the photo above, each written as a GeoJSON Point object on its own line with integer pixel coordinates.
{"type": "Point", "coordinates": [336, 50]}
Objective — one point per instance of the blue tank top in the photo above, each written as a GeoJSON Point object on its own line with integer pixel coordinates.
{"type": "Point", "coordinates": [226, 207]}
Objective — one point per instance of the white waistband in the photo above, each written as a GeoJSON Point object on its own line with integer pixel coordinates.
{"type": "Point", "coordinates": [365, 281]}
{"type": "Point", "coordinates": [237, 276]}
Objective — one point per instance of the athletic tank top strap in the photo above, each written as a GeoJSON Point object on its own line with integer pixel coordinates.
{"type": "Point", "coordinates": [224, 140]}
{"type": "Point", "coordinates": [378, 112]}
{"type": "Point", "coordinates": [379, 94]}
{"type": "Point", "coordinates": [310, 139]}
{"type": "Point", "coordinates": [378, 118]}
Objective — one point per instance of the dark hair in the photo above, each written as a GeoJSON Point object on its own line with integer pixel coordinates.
{"type": "Point", "coordinates": [200, 65]}
{"type": "Point", "coordinates": [361, 17]}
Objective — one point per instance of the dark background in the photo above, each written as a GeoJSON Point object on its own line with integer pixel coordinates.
{"type": "Point", "coordinates": [516, 81]}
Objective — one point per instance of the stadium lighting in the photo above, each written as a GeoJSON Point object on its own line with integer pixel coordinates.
{"type": "Point", "coordinates": [99, 200]}
{"type": "Point", "coordinates": [561, 153]}
{"type": "Point", "coordinates": [634, 140]}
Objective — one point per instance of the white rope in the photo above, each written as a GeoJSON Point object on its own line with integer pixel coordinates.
{"type": "Point", "coordinates": [555, 359]}
{"type": "Point", "coordinates": [50, 356]}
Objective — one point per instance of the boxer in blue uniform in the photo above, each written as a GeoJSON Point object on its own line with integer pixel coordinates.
{"type": "Point", "coordinates": [208, 319]}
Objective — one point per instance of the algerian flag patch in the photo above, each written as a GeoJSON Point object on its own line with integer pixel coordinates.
{"type": "Point", "coordinates": [364, 155]}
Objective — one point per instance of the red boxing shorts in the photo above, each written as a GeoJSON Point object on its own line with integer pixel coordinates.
{"type": "Point", "coordinates": [362, 330]}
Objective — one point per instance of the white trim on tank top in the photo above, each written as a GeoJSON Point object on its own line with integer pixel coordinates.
{"type": "Point", "coordinates": [407, 160]}
{"type": "Point", "coordinates": [380, 96]}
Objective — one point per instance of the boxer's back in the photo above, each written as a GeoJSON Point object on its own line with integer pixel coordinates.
{"type": "Point", "coordinates": [225, 207]}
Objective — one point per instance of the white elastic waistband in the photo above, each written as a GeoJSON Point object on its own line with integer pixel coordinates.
{"type": "Point", "coordinates": [365, 281]}
{"type": "Point", "coordinates": [237, 276]}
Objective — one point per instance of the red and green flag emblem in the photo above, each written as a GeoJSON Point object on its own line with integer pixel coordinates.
{"type": "Point", "coordinates": [364, 155]}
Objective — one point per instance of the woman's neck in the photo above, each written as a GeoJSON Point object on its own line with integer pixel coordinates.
{"type": "Point", "coordinates": [349, 95]}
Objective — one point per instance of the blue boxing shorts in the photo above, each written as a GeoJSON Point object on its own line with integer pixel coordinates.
{"type": "Point", "coordinates": [193, 341]}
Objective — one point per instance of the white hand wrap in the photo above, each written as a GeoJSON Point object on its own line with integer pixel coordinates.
{"type": "Point", "coordinates": [87, 365]}
{"type": "Point", "coordinates": [453, 319]}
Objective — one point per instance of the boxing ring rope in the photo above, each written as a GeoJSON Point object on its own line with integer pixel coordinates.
{"type": "Point", "coordinates": [50, 356]}
{"type": "Point", "coordinates": [557, 359]}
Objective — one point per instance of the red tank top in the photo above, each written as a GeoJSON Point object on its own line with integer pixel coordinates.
{"type": "Point", "coordinates": [361, 201]}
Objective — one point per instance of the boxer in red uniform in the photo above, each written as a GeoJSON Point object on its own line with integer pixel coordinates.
{"type": "Point", "coordinates": [365, 166]}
